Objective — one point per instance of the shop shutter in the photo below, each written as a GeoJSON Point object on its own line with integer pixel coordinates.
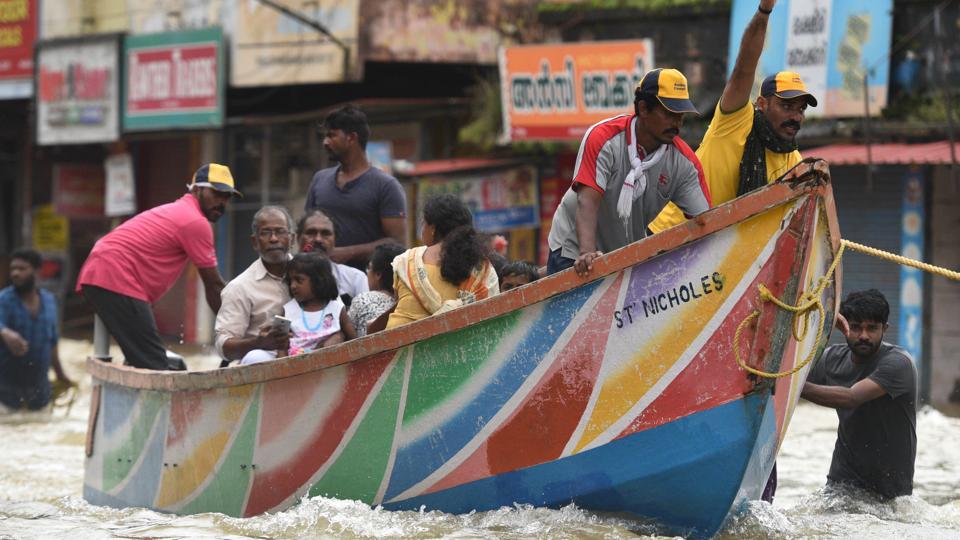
{"type": "Point", "coordinates": [873, 218]}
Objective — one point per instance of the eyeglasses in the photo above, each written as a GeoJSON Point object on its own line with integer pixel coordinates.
{"type": "Point", "coordinates": [267, 233]}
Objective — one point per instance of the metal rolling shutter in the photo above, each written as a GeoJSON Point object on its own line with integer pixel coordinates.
{"type": "Point", "coordinates": [872, 218]}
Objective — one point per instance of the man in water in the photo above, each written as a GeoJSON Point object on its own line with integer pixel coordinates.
{"type": "Point", "coordinates": [137, 263]}
{"type": "Point", "coordinates": [28, 328]}
{"type": "Point", "coordinates": [873, 387]}
{"type": "Point", "coordinates": [747, 146]}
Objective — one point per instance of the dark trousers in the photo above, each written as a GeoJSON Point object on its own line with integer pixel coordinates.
{"type": "Point", "coordinates": [131, 323]}
{"type": "Point", "coordinates": [557, 262]}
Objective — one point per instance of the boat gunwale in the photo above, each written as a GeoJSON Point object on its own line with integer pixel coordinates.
{"type": "Point", "coordinates": [720, 217]}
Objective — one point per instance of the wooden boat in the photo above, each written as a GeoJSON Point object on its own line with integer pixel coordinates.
{"type": "Point", "coordinates": [619, 392]}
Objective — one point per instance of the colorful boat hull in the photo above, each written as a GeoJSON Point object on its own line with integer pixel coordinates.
{"type": "Point", "coordinates": [620, 394]}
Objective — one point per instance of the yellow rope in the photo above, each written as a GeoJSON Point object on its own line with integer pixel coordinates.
{"type": "Point", "coordinates": [899, 259]}
{"type": "Point", "coordinates": [812, 300]}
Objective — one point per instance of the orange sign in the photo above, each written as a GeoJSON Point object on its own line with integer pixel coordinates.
{"type": "Point", "coordinates": [558, 91]}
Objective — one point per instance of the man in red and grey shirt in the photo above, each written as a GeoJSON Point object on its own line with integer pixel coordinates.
{"type": "Point", "coordinates": [628, 168]}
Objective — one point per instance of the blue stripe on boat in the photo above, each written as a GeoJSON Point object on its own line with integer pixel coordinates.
{"type": "Point", "coordinates": [142, 487]}
{"type": "Point", "coordinates": [418, 459]}
{"type": "Point", "coordinates": [684, 474]}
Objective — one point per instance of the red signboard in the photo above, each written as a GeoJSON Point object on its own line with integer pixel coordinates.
{"type": "Point", "coordinates": [18, 30]}
{"type": "Point", "coordinates": [78, 190]}
{"type": "Point", "coordinates": [173, 78]}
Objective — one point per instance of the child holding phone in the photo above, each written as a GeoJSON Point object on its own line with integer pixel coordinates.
{"type": "Point", "coordinates": [317, 315]}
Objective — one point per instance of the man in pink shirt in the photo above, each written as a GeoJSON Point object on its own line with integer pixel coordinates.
{"type": "Point", "coordinates": [137, 263]}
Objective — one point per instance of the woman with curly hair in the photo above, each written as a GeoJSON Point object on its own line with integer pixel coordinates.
{"type": "Point", "coordinates": [450, 271]}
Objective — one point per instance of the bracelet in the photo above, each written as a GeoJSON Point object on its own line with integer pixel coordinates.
{"type": "Point", "coordinates": [764, 11]}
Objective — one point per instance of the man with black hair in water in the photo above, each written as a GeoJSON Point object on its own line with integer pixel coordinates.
{"type": "Point", "coordinates": [747, 146]}
{"type": "Point", "coordinates": [873, 386]}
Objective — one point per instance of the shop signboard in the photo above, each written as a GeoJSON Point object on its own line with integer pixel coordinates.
{"type": "Point", "coordinates": [173, 80]}
{"type": "Point", "coordinates": [78, 190]}
{"type": "Point", "coordinates": [558, 91]}
{"type": "Point", "coordinates": [120, 198]}
{"type": "Point", "coordinates": [51, 230]}
{"type": "Point", "coordinates": [78, 89]}
{"type": "Point", "coordinates": [270, 48]}
{"type": "Point", "coordinates": [830, 43]}
{"type": "Point", "coordinates": [910, 325]}
{"type": "Point", "coordinates": [499, 200]}
{"type": "Point", "coordinates": [18, 30]}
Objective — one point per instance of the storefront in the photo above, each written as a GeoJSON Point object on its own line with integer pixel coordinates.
{"type": "Point", "coordinates": [101, 159]}
{"type": "Point", "coordinates": [502, 194]}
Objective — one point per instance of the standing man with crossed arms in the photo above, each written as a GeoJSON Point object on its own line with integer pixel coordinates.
{"type": "Point", "coordinates": [748, 146]}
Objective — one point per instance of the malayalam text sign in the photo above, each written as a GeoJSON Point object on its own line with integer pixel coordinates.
{"type": "Point", "coordinates": [830, 43]}
{"type": "Point", "coordinates": [558, 91]}
{"type": "Point", "coordinates": [78, 190]}
{"type": "Point", "coordinates": [174, 80]}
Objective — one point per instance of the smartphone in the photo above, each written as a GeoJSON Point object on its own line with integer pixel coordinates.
{"type": "Point", "coordinates": [281, 323]}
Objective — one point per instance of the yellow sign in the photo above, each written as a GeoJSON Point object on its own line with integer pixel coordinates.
{"type": "Point", "coordinates": [51, 232]}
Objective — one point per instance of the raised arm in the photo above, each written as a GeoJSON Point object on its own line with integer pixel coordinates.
{"type": "Point", "coordinates": [737, 91]}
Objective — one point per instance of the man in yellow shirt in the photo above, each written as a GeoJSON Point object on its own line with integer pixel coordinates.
{"type": "Point", "coordinates": [746, 147]}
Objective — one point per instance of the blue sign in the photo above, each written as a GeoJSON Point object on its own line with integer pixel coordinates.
{"type": "Point", "coordinates": [830, 43]}
{"type": "Point", "coordinates": [911, 279]}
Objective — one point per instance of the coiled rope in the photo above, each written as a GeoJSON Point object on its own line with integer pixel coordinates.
{"type": "Point", "coordinates": [811, 300]}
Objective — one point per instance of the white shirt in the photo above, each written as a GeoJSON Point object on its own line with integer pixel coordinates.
{"type": "Point", "coordinates": [248, 302]}
{"type": "Point", "coordinates": [350, 280]}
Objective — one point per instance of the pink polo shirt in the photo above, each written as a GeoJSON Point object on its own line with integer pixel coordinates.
{"type": "Point", "coordinates": [144, 256]}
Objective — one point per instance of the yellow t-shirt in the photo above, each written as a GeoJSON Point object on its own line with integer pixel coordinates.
{"type": "Point", "coordinates": [408, 307]}
{"type": "Point", "coordinates": [720, 153]}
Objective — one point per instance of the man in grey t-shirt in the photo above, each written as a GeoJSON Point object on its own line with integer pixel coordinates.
{"type": "Point", "coordinates": [628, 168]}
{"type": "Point", "coordinates": [368, 207]}
{"type": "Point", "coordinates": [873, 387]}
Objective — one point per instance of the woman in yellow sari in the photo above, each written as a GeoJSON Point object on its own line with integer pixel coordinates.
{"type": "Point", "coordinates": [450, 271]}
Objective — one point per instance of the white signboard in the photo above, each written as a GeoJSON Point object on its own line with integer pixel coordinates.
{"type": "Point", "coordinates": [808, 39]}
{"type": "Point", "coordinates": [77, 92]}
{"type": "Point", "coordinates": [121, 192]}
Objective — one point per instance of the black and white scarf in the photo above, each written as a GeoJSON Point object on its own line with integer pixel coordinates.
{"type": "Point", "coordinates": [753, 164]}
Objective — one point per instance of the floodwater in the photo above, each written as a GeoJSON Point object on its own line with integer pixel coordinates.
{"type": "Point", "coordinates": [41, 478]}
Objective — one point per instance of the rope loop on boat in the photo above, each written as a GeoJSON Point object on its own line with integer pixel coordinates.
{"type": "Point", "coordinates": [811, 300]}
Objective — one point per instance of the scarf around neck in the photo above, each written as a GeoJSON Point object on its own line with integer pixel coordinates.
{"type": "Point", "coordinates": [753, 164]}
{"type": "Point", "coordinates": [635, 182]}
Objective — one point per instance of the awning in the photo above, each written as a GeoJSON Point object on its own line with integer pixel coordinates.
{"type": "Point", "coordinates": [447, 166]}
{"type": "Point", "coordinates": [935, 153]}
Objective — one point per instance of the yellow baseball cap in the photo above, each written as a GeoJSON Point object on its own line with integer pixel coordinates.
{"type": "Point", "coordinates": [786, 85]}
{"type": "Point", "coordinates": [215, 176]}
{"type": "Point", "coordinates": [670, 87]}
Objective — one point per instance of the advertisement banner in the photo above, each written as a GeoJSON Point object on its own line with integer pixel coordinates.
{"type": "Point", "coordinates": [498, 200]}
{"type": "Point", "coordinates": [173, 80]}
{"type": "Point", "coordinates": [558, 91]}
{"type": "Point", "coordinates": [78, 190]}
{"type": "Point", "coordinates": [830, 43]}
{"type": "Point", "coordinates": [18, 30]}
{"type": "Point", "coordinates": [910, 325]}
{"type": "Point", "coordinates": [270, 48]}
{"type": "Point", "coordinates": [121, 192]}
{"type": "Point", "coordinates": [78, 91]}
{"type": "Point", "coordinates": [404, 31]}
{"type": "Point", "coordinates": [51, 231]}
